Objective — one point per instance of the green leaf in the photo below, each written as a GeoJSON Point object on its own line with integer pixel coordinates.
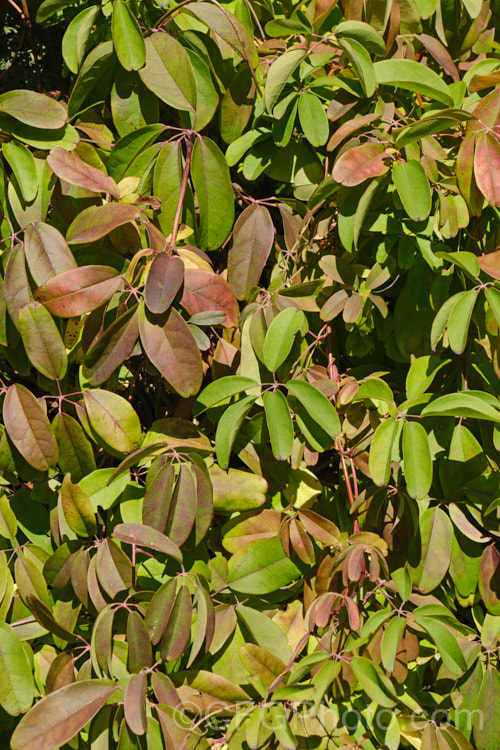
{"type": "Point", "coordinates": [29, 429]}
{"type": "Point", "coordinates": [373, 682]}
{"type": "Point", "coordinates": [279, 73]}
{"type": "Point", "coordinates": [214, 192]}
{"type": "Point", "coordinates": [262, 568]}
{"type": "Point", "coordinates": [281, 727]}
{"type": "Point", "coordinates": [363, 33]}
{"type": "Point", "coordinates": [414, 76]}
{"type": "Point", "coordinates": [446, 644]}
{"type": "Point", "coordinates": [23, 165]}
{"type": "Point", "coordinates": [221, 390]}
{"type": "Point", "coordinates": [381, 451]}
{"type": "Point", "coordinates": [58, 717]}
{"type": "Point", "coordinates": [413, 188]}
{"type": "Point", "coordinates": [459, 320]}
{"type": "Point", "coordinates": [36, 110]}
{"type": "Point", "coordinates": [465, 404]}
{"type": "Point", "coordinates": [493, 298]}
{"type": "Point", "coordinates": [113, 419]}
{"type": "Point", "coordinates": [127, 37]}
{"type": "Point", "coordinates": [390, 642]}
{"type": "Point", "coordinates": [279, 423]}
{"type": "Point", "coordinates": [313, 119]}
{"type": "Point", "coordinates": [317, 406]}
{"type": "Point", "coordinates": [417, 460]}
{"type": "Point", "coordinates": [436, 539]}
{"type": "Point", "coordinates": [361, 62]}
{"type": "Point", "coordinates": [47, 252]}
{"type": "Point", "coordinates": [77, 508]}
{"type": "Point", "coordinates": [168, 72]}
{"type": "Point", "coordinates": [76, 36]}
{"type": "Point", "coordinates": [280, 337]}
{"type": "Point", "coordinates": [16, 681]}
{"type": "Point", "coordinates": [486, 722]}
{"type": "Point", "coordinates": [42, 341]}
{"type": "Point", "coordinates": [228, 427]}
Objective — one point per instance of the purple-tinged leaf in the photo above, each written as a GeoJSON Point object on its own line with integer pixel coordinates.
{"type": "Point", "coordinates": [144, 536]}
{"type": "Point", "coordinates": [205, 291]}
{"type": "Point", "coordinates": [140, 653]}
{"type": "Point", "coordinates": [69, 167]}
{"type": "Point", "coordinates": [165, 278]}
{"type": "Point", "coordinates": [361, 163]}
{"type": "Point", "coordinates": [159, 610]}
{"type": "Point", "coordinates": [134, 704]}
{"type": "Point", "coordinates": [29, 429]}
{"type": "Point", "coordinates": [253, 238]}
{"type": "Point", "coordinates": [58, 717]}
{"type": "Point", "coordinates": [79, 290]}
{"type": "Point", "coordinates": [178, 630]}
{"type": "Point", "coordinates": [96, 222]}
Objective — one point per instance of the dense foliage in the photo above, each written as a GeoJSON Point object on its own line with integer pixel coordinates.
{"type": "Point", "coordinates": [250, 358]}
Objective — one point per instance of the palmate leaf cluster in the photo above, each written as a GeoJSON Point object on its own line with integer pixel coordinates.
{"type": "Point", "coordinates": [249, 376]}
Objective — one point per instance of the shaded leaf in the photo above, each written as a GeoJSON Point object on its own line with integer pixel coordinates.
{"type": "Point", "coordinates": [29, 428]}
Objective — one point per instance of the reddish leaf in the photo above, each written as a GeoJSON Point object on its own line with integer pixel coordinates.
{"type": "Point", "coordinates": [47, 252]}
{"type": "Point", "coordinates": [487, 167]}
{"type": "Point", "coordinates": [164, 280]}
{"type": "Point", "coordinates": [58, 717]}
{"type": "Point", "coordinates": [361, 163]}
{"type": "Point", "coordinates": [204, 291]}
{"type": "Point", "coordinates": [79, 290]}
{"type": "Point", "coordinates": [158, 496]}
{"type": "Point", "coordinates": [349, 127]}
{"type": "Point", "coordinates": [159, 610]}
{"type": "Point", "coordinates": [67, 166]}
{"type": "Point", "coordinates": [134, 704]}
{"type": "Point", "coordinates": [112, 347]}
{"type": "Point", "coordinates": [172, 349]}
{"type": "Point", "coordinates": [178, 628]}
{"type": "Point", "coordinates": [465, 175]}
{"type": "Point", "coordinates": [490, 264]}
{"type": "Point", "coordinates": [253, 238]}
{"type": "Point", "coordinates": [182, 510]}
{"type": "Point", "coordinates": [489, 579]}
{"type": "Point", "coordinates": [140, 653]}
{"type": "Point", "coordinates": [29, 429]}
{"type": "Point", "coordinates": [113, 568]}
{"type": "Point", "coordinates": [16, 285]}
{"type": "Point", "coordinates": [144, 536]}
{"type": "Point", "coordinates": [97, 221]}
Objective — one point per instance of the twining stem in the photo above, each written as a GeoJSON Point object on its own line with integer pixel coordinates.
{"type": "Point", "coordinates": [182, 193]}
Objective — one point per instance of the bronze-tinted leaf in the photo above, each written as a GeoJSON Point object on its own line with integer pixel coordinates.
{"type": "Point", "coordinates": [204, 498]}
{"type": "Point", "coordinates": [114, 569]}
{"type": "Point", "coordinates": [182, 510]}
{"type": "Point", "coordinates": [489, 579]}
{"type": "Point", "coordinates": [164, 280]}
{"type": "Point", "coordinates": [253, 238]}
{"type": "Point", "coordinates": [113, 419]}
{"type": "Point", "coordinates": [361, 163]}
{"type": "Point", "coordinates": [47, 620]}
{"type": "Point", "coordinates": [31, 108]}
{"type": "Point", "coordinates": [112, 347]}
{"type": "Point", "coordinates": [61, 672]}
{"type": "Point", "coordinates": [96, 222]}
{"type": "Point", "coordinates": [205, 291]}
{"type": "Point", "coordinates": [158, 496]}
{"type": "Point", "coordinates": [76, 456]}
{"type": "Point", "coordinates": [79, 290]}
{"type": "Point", "coordinates": [159, 610]}
{"type": "Point", "coordinates": [77, 508]}
{"type": "Point", "coordinates": [69, 167]}
{"type": "Point", "coordinates": [145, 536]}
{"type": "Point", "coordinates": [490, 264]}
{"type": "Point", "coordinates": [487, 167]}
{"type": "Point", "coordinates": [47, 252]}
{"type": "Point", "coordinates": [140, 653]}
{"type": "Point", "coordinates": [42, 341]}
{"type": "Point", "coordinates": [58, 717]}
{"type": "Point", "coordinates": [29, 429]}
{"type": "Point", "coordinates": [134, 704]}
{"type": "Point", "coordinates": [16, 285]}
{"type": "Point", "coordinates": [178, 628]}
{"type": "Point", "coordinates": [466, 180]}
{"type": "Point", "coordinates": [172, 349]}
